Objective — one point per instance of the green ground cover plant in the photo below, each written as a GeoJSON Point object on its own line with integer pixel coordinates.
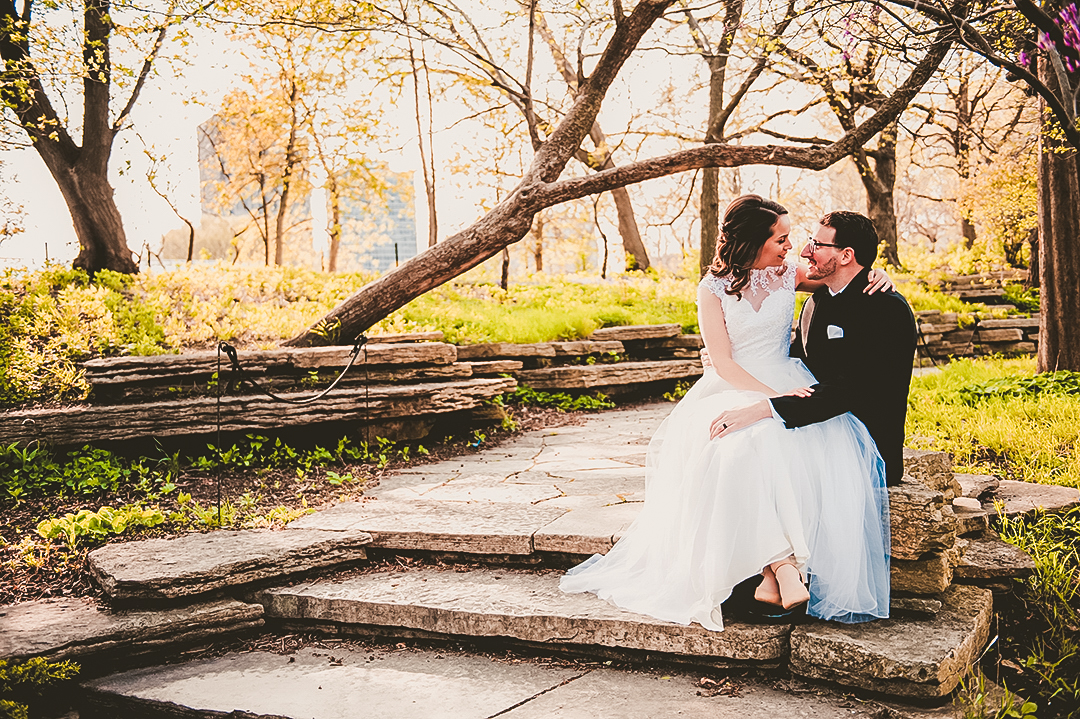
{"type": "Point", "coordinates": [25, 681]}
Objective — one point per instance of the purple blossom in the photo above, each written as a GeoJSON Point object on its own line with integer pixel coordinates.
{"type": "Point", "coordinates": [1069, 22]}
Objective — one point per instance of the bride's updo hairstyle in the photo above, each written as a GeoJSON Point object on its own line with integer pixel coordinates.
{"type": "Point", "coordinates": [748, 223]}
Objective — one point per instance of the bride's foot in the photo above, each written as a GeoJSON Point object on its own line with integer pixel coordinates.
{"type": "Point", "coordinates": [768, 591]}
{"type": "Point", "coordinates": [793, 591]}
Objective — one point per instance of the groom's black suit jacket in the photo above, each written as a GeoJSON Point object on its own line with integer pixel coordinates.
{"type": "Point", "coordinates": [861, 349]}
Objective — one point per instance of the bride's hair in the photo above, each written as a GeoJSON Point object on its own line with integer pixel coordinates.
{"type": "Point", "coordinates": [748, 223]}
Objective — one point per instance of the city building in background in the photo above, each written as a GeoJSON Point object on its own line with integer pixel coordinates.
{"type": "Point", "coordinates": [240, 192]}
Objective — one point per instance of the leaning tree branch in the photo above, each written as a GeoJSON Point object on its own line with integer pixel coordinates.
{"type": "Point", "coordinates": [511, 219]}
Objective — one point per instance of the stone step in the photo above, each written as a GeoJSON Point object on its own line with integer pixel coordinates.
{"type": "Point", "coordinates": [990, 561]}
{"type": "Point", "coordinates": [339, 682]}
{"type": "Point", "coordinates": [198, 563]}
{"type": "Point", "coordinates": [901, 657]}
{"type": "Point", "coordinates": [524, 606]}
{"type": "Point", "coordinates": [1025, 498]}
{"type": "Point", "coordinates": [82, 630]}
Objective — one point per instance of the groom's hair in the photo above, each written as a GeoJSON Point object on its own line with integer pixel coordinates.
{"type": "Point", "coordinates": [855, 231]}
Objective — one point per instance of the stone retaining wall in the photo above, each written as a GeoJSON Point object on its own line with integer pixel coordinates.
{"type": "Point", "coordinates": [947, 334]}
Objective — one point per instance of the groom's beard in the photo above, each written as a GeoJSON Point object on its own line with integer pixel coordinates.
{"type": "Point", "coordinates": [819, 271]}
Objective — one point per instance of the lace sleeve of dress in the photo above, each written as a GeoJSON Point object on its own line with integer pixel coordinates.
{"type": "Point", "coordinates": [717, 285]}
{"type": "Point", "coordinates": [791, 276]}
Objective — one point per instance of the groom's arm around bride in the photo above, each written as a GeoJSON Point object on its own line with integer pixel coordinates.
{"type": "Point", "coordinates": [859, 346]}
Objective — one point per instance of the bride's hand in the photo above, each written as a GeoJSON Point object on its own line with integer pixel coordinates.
{"type": "Point", "coordinates": [879, 282]}
{"type": "Point", "coordinates": [801, 392]}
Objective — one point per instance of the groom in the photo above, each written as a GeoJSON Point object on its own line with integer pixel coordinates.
{"type": "Point", "coordinates": [859, 346]}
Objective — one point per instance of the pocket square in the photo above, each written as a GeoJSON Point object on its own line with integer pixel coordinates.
{"type": "Point", "coordinates": [834, 332]}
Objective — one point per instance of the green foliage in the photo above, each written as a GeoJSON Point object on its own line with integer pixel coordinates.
{"type": "Point", "coordinates": [1052, 594]}
{"type": "Point", "coordinates": [259, 452]}
{"type": "Point", "coordinates": [1063, 382]}
{"type": "Point", "coordinates": [559, 400]}
{"type": "Point", "coordinates": [22, 681]}
{"type": "Point", "coordinates": [1025, 299]}
{"type": "Point", "coordinates": [997, 417]}
{"type": "Point", "coordinates": [98, 526]}
{"type": "Point", "coordinates": [53, 318]}
{"type": "Point", "coordinates": [681, 388]}
{"type": "Point", "coordinates": [979, 700]}
{"type": "Point", "coordinates": [557, 309]}
{"type": "Point", "coordinates": [34, 470]}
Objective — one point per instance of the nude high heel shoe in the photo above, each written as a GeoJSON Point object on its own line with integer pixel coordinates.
{"type": "Point", "coordinates": [793, 591]}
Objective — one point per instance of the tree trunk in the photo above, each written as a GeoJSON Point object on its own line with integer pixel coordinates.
{"type": "Point", "coordinates": [1033, 253]}
{"type": "Point", "coordinates": [1059, 255]}
{"type": "Point", "coordinates": [291, 161]}
{"type": "Point", "coordinates": [335, 225]}
{"type": "Point", "coordinates": [710, 216]}
{"type": "Point", "coordinates": [504, 280]}
{"type": "Point", "coordinates": [90, 200]}
{"type": "Point", "coordinates": [967, 230]}
{"type": "Point", "coordinates": [636, 256]}
{"type": "Point", "coordinates": [538, 245]}
{"type": "Point", "coordinates": [81, 173]}
{"type": "Point", "coordinates": [962, 147]}
{"type": "Point", "coordinates": [879, 184]}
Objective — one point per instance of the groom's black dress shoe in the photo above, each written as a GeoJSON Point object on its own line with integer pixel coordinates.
{"type": "Point", "coordinates": [742, 607]}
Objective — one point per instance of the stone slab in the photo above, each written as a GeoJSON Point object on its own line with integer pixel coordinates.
{"type": "Point", "coordinates": [1031, 323]}
{"type": "Point", "coordinates": [613, 694]}
{"type": "Point", "coordinates": [1022, 498]}
{"type": "Point", "coordinates": [327, 684]}
{"type": "Point", "coordinates": [902, 657]}
{"type": "Point", "coordinates": [79, 629]}
{"type": "Point", "coordinates": [929, 575]}
{"type": "Point", "coordinates": [934, 469]}
{"type": "Point", "coordinates": [198, 563]}
{"type": "Point", "coordinates": [494, 367]}
{"type": "Point", "coordinates": [339, 683]}
{"type": "Point", "coordinates": [970, 520]}
{"type": "Point", "coordinates": [587, 529]}
{"type": "Point", "coordinates": [991, 559]}
{"type": "Point", "coordinates": [439, 526]}
{"type": "Point", "coordinates": [504, 350]}
{"type": "Point", "coordinates": [586, 347]}
{"type": "Point", "coordinates": [921, 521]}
{"type": "Point", "coordinates": [490, 488]}
{"type": "Point", "coordinates": [636, 332]}
{"type": "Point", "coordinates": [583, 377]}
{"type": "Point", "coordinates": [524, 606]}
{"type": "Point", "coordinates": [1003, 334]}
{"type": "Point", "coordinates": [976, 485]}
{"type": "Point", "coordinates": [917, 606]}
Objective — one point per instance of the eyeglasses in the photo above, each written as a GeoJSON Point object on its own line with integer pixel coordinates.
{"type": "Point", "coordinates": [814, 245]}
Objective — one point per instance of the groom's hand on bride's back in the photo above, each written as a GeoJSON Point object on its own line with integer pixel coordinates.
{"type": "Point", "coordinates": [705, 361]}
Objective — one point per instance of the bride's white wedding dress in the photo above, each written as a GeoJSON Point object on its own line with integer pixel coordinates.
{"type": "Point", "coordinates": [718, 511]}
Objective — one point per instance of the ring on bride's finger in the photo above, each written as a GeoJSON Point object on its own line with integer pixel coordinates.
{"type": "Point", "coordinates": [723, 426]}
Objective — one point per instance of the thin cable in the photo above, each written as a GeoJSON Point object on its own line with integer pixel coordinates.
{"type": "Point", "coordinates": [218, 405]}
{"type": "Point", "coordinates": [243, 375]}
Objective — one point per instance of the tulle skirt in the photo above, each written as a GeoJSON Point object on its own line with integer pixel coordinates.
{"type": "Point", "coordinates": [718, 511]}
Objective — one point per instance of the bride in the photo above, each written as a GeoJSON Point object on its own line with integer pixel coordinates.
{"type": "Point", "coordinates": [796, 506]}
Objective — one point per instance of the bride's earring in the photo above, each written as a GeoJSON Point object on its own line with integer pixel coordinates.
{"type": "Point", "coordinates": [793, 591]}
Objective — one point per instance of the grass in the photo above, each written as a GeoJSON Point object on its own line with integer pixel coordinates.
{"type": "Point", "coordinates": [1031, 436]}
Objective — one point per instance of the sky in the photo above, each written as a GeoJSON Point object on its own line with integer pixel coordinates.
{"type": "Point", "coordinates": [166, 119]}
